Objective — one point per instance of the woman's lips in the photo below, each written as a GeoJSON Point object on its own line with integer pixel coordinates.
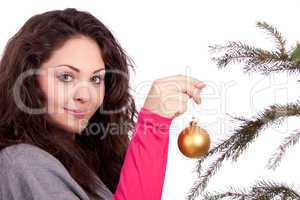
{"type": "Point", "coordinates": [76, 113]}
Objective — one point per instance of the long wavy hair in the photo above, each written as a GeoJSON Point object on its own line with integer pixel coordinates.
{"type": "Point", "coordinates": [90, 154]}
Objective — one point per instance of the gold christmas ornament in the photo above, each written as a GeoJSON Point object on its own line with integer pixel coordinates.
{"type": "Point", "coordinates": [193, 141]}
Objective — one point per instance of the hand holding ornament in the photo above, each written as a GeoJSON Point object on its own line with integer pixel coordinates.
{"type": "Point", "coordinates": [168, 97]}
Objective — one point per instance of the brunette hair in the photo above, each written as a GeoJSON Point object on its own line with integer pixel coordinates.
{"type": "Point", "coordinates": [90, 154]}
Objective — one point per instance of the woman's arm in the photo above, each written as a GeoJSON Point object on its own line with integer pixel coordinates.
{"type": "Point", "coordinates": [143, 171]}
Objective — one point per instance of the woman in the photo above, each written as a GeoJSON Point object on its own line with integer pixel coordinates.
{"type": "Point", "coordinates": [66, 114]}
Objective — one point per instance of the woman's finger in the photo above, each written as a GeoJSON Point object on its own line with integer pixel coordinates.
{"type": "Point", "coordinates": [192, 91]}
{"type": "Point", "coordinates": [181, 78]}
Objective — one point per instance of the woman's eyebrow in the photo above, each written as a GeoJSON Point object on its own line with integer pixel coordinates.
{"type": "Point", "coordinates": [74, 68]}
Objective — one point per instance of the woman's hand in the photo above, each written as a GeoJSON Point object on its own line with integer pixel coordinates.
{"type": "Point", "coordinates": [168, 96]}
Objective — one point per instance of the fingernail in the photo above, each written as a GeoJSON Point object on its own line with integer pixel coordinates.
{"type": "Point", "coordinates": [199, 101]}
{"type": "Point", "coordinates": [200, 84]}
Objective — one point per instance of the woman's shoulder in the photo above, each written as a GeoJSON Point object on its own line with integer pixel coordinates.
{"type": "Point", "coordinates": [28, 160]}
{"type": "Point", "coordinates": [29, 170]}
{"type": "Point", "coordinates": [27, 155]}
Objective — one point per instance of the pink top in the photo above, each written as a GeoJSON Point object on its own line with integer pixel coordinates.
{"type": "Point", "coordinates": [143, 172]}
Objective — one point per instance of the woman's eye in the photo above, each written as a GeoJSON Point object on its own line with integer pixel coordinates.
{"type": "Point", "coordinates": [97, 79]}
{"type": "Point", "coordinates": [65, 77]}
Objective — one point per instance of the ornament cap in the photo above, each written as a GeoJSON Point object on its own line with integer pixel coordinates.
{"type": "Point", "coordinates": [193, 122]}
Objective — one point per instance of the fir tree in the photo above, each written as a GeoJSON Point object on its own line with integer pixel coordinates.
{"type": "Point", "coordinates": [264, 62]}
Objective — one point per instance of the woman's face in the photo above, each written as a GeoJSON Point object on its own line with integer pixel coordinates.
{"type": "Point", "coordinates": [73, 79]}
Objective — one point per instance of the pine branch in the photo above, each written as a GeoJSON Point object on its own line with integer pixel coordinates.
{"type": "Point", "coordinates": [202, 181]}
{"type": "Point", "coordinates": [237, 52]}
{"type": "Point", "coordinates": [254, 59]}
{"type": "Point", "coordinates": [257, 59]}
{"type": "Point", "coordinates": [260, 191]}
{"type": "Point", "coordinates": [236, 144]}
{"type": "Point", "coordinates": [279, 40]}
{"type": "Point", "coordinates": [288, 141]}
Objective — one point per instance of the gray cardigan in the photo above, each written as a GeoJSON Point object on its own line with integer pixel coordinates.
{"type": "Point", "coordinates": [28, 172]}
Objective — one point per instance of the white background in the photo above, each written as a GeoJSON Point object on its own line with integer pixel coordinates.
{"type": "Point", "coordinates": [171, 37]}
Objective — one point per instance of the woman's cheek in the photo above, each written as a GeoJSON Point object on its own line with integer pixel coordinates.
{"type": "Point", "coordinates": [102, 93]}
{"type": "Point", "coordinates": [57, 97]}
{"type": "Point", "coordinates": [98, 98]}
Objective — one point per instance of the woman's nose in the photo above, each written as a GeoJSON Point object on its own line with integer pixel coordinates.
{"type": "Point", "coordinates": [82, 94]}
